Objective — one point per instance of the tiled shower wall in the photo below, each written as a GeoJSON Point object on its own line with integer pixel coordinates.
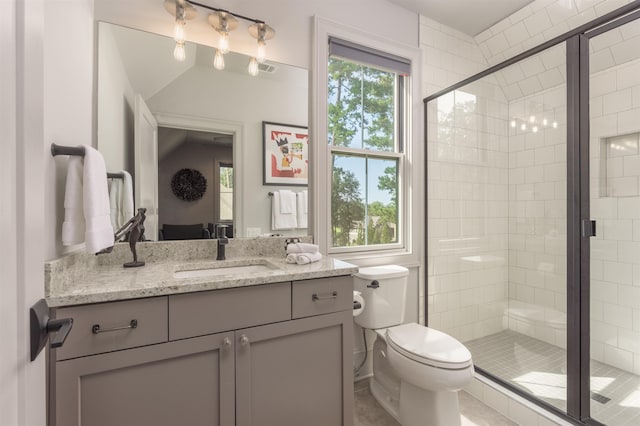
{"type": "Point", "coordinates": [537, 216]}
{"type": "Point", "coordinates": [615, 205]}
{"type": "Point", "coordinates": [468, 208]}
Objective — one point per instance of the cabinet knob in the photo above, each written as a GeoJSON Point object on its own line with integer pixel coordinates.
{"type": "Point", "coordinates": [226, 343]}
{"type": "Point", "coordinates": [244, 340]}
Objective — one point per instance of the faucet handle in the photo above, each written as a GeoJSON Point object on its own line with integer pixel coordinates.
{"type": "Point", "coordinates": [222, 231]}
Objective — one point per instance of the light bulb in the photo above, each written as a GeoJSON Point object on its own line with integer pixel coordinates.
{"type": "Point", "coordinates": [223, 43]}
{"type": "Point", "coordinates": [535, 129]}
{"type": "Point", "coordinates": [532, 119]}
{"type": "Point", "coordinates": [545, 122]}
{"type": "Point", "coordinates": [555, 125]}
{"type": "Point", "coordinates": [261, 54]}
{"type": "Point", "coordinates": [513, 123]}
{"type": "Point", "coordinates": [218, 60]}
{"type": "Point", "coordinates": [523, 127]}
{"type": "Point", "coordinates": [253, 67]}
{"type": "Point", "coordinates": [179, 53]}
{"type": "Point", "coordinates": [178, 31]}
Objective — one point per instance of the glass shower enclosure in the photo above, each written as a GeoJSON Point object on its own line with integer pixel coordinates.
{"type": "Point", "coordinates": [525, 162]}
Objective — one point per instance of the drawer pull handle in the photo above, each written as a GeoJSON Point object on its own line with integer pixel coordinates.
{"type": "Point", "coordinates": [315, 297]}
{"type": "Point", "coordinates": [95, 329]}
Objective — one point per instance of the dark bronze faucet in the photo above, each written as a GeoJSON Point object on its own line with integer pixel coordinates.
{"type": "Point", "coordinates": [222, 241]}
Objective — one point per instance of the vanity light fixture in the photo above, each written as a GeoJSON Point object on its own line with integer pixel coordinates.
{"type": "Point", "coordinates": [223, 22]}
{"type": "Point", "coordinates": [182, 11]}
{"type": "Point", "coordinates": [261, 32]}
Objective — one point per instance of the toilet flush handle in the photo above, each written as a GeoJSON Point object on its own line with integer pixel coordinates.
{"type": "Point", "coordinates": [374, 284]}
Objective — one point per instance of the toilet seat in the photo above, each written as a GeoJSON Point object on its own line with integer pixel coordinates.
{"type": "Point", "coordinates": [428, 346]}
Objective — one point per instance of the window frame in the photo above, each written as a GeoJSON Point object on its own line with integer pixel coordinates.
{"type": "Point", "coordinates": [410, 175]}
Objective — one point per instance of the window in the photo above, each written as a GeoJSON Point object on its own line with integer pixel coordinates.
{"type": "Point", "coordinates": [366, 110]}
{"type": "Point", "coordinates": [226, 192]}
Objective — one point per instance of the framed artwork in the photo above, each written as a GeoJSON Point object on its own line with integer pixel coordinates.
{"type": "Point", "coordinates": [286, 154]}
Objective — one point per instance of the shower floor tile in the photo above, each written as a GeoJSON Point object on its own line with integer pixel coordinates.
{"type": "Point", "coordinates": [539, 368]}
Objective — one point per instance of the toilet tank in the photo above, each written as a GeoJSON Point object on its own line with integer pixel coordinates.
{"type": "Point", "coordinates": [384, 290]}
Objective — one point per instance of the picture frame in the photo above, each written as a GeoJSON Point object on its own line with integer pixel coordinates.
{"type": "Point", "coordinates": [285, 154]}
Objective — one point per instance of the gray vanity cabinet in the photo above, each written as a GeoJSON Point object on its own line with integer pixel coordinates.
{"type": "Point", "coordinates": [268, 355]}
{"type": "Point", "coordinates": [296, 372]}
{"type": "Point", "coordinates": [186, 382]}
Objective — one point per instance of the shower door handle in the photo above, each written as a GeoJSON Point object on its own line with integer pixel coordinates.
{"type": "Point", "coordinates": [588, 228]}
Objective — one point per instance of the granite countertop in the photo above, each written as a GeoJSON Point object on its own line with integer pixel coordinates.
{"type": "Point", "coordinates": [112, 282]}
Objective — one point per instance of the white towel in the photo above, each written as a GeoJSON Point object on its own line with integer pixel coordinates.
{"type": "Point", "coordinates": [281, 220]}
{"type": "Point", "coordinates": [301, 204]}
{"type": "Point", "coordinates": [87, 187]}
{"type": "Point", "coordinates": [302, 248]}
{"type": "Point", "coordinates": [121, 200]}
{"type": "Point", "coordinates": [287, 201]}
{"type": "Point", "coordinates": [303, 258]}
{"type": "Point", "coordinates": [73, 225]}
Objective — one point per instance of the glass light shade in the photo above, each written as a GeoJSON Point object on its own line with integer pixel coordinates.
{"type": "Point", "coordinates": [555, 124]}
{"type": "Point", "coordinates": [223, 43]}
{"type": "Point", "coordinates": [532, 119]}
{"type": "Point", "coordinates": [179, 34]}
{"type": "Point", "coordinates": [179, 53]}
{"type": "Point", "coordinates": [218, 60]}
{"type": "Point", "coordinates": [513, 123]}
{"type": "Point", "coordinates": [545, 122]}
{"type": "Point", "coordinates": [535, 129]}
{"type": "Point", "coordinates": [523, 127]}
{"type": "Point", "coordinates": [261, 54]}
{"type": "Point", "coordinates": [253, 67]}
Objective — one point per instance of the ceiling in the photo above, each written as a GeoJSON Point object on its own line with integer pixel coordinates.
{"type": "Point", "coordinates": [468, 16]}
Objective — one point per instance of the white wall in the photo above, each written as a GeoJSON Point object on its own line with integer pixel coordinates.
{"type": "Point", "coordinates": [68, 106]}
{"type": "Point", "coordinates": [115, 104]}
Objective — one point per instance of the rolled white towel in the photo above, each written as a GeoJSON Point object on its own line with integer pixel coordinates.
{"type": "Point", "coordinates": [292, 258]}
{"type": "Point", "coordinates": [304, 258]}
{"type": "Point", "coordinates": [302, 248]}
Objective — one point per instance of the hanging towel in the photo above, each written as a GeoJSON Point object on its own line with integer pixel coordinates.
{"type": "Point", "coordinates": [73, 225]}
{"type": "Point", "coordinates": [281, 220]}
{"type": "Point", "coordinates": [303, 258]}
{"type": "Point", "coordinates": [121, 200]}
{"type": "Point", "coordinates": [287, 202]}
{"type": "Point", "coordinates": [302, 248]}
{"type": "Point", "coordinates": [301, 204]}
{"type": "Point", "coordinates": [87, 203]}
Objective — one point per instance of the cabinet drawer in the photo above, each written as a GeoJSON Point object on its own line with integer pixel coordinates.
{"type": "Point", "coordinates": [114, 330]}
{"type": "Point", "coordinates": [197, 314]}
{"type": "Point", "coordinates": [322, 296]}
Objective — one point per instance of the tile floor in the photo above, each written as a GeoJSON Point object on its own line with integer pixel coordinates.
{"type": "Point", "coordinates": [540, 368]}
{"type": "Point", "coordinates": [367, 412]}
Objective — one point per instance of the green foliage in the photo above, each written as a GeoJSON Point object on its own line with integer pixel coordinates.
{"type": "Point", "coordinates": [346, 205]}
{"type": "Point", "coordinates": [361, 110]}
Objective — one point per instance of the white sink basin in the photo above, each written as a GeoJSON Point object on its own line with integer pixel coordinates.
{"type": "Point", "coordinates": [223, 270]}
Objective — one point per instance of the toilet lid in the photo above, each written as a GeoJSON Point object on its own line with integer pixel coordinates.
{"type": "Point", "coordinates": [428, 346]}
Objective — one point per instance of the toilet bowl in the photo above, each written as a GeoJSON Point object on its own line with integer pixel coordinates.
{"type": "Point", "coordinates": [417, 370]}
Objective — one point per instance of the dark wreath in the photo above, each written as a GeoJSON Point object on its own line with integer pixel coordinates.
{"type": "Point", "coordinates": [188, 184]}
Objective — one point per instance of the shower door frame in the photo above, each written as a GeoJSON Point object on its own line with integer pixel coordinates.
{"type": "Point", "coordinates": [578, 208]}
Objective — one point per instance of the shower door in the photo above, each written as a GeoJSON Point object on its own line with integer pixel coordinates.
{"type": "Point", "coordinates": [614, 205]}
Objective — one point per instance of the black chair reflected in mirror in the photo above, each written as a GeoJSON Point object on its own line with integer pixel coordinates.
{"type": "Point", "coordinates": [184, 232]}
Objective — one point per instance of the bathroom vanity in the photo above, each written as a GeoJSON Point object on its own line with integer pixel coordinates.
{"type": "Point", "coordinates": [252, 348]}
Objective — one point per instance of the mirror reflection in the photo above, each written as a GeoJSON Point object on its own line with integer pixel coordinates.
{"type": "Point", "coordinates": [190, 135]}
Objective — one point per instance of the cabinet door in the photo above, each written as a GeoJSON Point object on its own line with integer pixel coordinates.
{"type": "Point", "coordinates": [296, 372]}
{"type": "Point", "coordinates": [187, 382]}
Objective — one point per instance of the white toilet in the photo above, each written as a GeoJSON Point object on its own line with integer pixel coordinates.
{"type": "Point", "coordinates": [417, 371]}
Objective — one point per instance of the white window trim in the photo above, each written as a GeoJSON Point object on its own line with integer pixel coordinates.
{"type": "Point", "coordinates": [412, 178]}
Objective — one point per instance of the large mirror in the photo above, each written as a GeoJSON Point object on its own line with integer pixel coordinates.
{"type": "Point", "coordinates": [207, 165]}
